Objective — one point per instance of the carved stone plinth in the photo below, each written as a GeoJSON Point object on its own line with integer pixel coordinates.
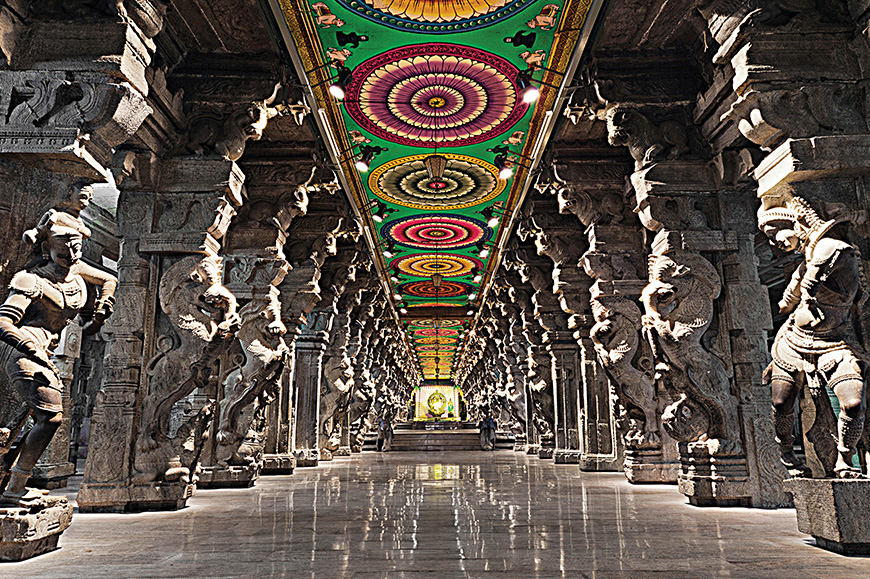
{"type": "Point", "coordinates": [342, 451]}
{"type": "Point", "coordinates": [649, 466]}
{"type": "Point", "coordinates": [713, 480]}
{"type": "Point", "coordinates": [52, 476]}
{"type": "Point", "coordinates": [834, 512]}
{"type": "Point", "coordinates": [31, 531]}
{"type": "Point", "coordinates": [561, 456]}
{"type": "Point", "coordinates": [223, 477]}
{"type": "Point", "coordinates": [134, 498]}
{"type": "Point", "coordinates": [545, 452]}
{"type": "Point", "coordinates": [307, 457]}
{"type": "Point", "coordinates": [278, 464]}
{"type": "Point", "coordinates": [533, 448]}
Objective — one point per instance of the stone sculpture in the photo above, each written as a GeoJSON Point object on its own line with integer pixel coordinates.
{"type": "Point", "coordinates": [204, 319]}
{"type": "Point", "coordinates": [679, 310]}
{"type": "Point", "coordinates": [646, 141]}
{"type": "Point", "coordinates": [43, 299]}
{"type": "Point", "coordinates": [250, 385]}
{"type": "Point", "coordinates": [817, 345]}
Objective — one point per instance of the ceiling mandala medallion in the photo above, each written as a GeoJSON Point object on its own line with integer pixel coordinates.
{"type": "Point", "coordinates": [426, 289]}
{"type": "Point", "coordinates": [436, 231]}
{"type": "Point", "coordinates": [431, 323]}
{"type": "Point", "coordinates": [436, 340]}
{"type": "Point", "coordinates": [428, 264]}
{"type": "Point", "coordinates": [436, 332]}
{"type": "Point", "coordinates": [466, 181]}
{"type": "Point", "coordinates": [428, 95]}
{"type": "Point", "coordinates": [436, 16]}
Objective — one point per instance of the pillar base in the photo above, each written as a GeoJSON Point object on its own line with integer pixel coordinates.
{"type": "Point", "coordinates": [834, 512]}
{"type": "Point", "coordinates": [649, 466]}
{"type": "Point", "coordinates": [713, 481]}
{"type": "Point", "coordinates": [325, 455]}
{"type": "Point", "coordinates": [546, 452]}
{"type": "Point", "coordinates": [567, 456]}
{"type": "Point", "coordinates": [226, 477]}
{"type": "Point", "coordinates": [278, 464]}
{"type": "Point", "coordinates": [307, 458]}
{"type": "Point", "coordinates": [134, 498]}
{"type": "Point", "coordinates": [52, 476]}
{"type": "Point", "coordinates": [342, 451]}
{"type": "Point", "coordinates": [27, 532]}
{"type": "Point", "coordinates": [599, 463]}
{"type": "Point", "coordinates": [533, 448]}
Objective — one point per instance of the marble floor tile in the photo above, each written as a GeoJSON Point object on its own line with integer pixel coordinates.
{"type": "Point", "coordinates": [440, 516]}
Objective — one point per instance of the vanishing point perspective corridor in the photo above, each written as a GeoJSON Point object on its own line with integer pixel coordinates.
{"type": "Point", "coordinates": [440, 515]}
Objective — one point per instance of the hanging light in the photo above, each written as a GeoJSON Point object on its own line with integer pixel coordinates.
{"type": "Point", "coordinates": [362, 164]}
{"type": "Point", "coordinates": [435, 165]}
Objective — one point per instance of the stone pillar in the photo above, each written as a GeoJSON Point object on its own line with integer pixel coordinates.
{"type": "Point", "coordinates": [308, 379]}
{"type": "Point", "coordinates": [168, 262]}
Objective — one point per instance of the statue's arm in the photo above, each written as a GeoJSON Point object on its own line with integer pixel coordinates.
{"type": "Point", "coordinates": [105, 281]}
{"type": "Point", "coordinates": [791, 297]}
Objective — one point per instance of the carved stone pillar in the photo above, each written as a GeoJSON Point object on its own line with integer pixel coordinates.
{"type": "Point", "coordinates": [307, 383]}
{"type": "Point", "coordinates": [171, 219]}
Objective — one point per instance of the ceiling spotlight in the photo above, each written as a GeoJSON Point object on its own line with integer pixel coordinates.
{"type": "Point", "coordinates": [338, 88]}
{"type": "Point", "coordinates": [482, 249]}
{"type": "Point", "coordinates": [505, 167]}
{"type": "Point", "coordinates": [472, 295]}
{"type": "Point", "coordinates": [529, 92]}
{"type": "Point", "coordinates": [477, 278]}
{"type": "Point", "coordinates": [366, 155]}
{"type": "Point", "coordinates": [389, 248]}
{"type": "Point", "coordinates": [469, 313]}
{"type": "Point", "coordinates": [397, 297]}
{"type": "Point", "coordinates": [403, 311]}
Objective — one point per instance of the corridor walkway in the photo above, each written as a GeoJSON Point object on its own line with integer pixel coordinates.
{"type": "Point", "coordinates": [440, 516]}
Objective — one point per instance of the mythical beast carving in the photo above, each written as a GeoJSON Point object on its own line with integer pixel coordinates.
{"type": "Point", "coordinates": [679, 310]}
{"type": "Point", "coordinates": [616, 338]}
{"type": "Point", "coordinates": [646, 142]}
{"type": "Point", "coordinates": [203, 314]}
{"type": "Point", "coordinates": [251, 385]}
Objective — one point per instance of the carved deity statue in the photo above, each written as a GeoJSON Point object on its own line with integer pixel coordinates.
{"type": "Point", "coordinates": [817, 345]}
{"type": "Point", "coordinates": [43, 299]}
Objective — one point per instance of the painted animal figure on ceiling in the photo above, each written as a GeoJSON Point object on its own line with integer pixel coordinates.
{"type": "Point", "coordinates": [546, 19]}
{"type": "Point", "coordinates": [340, 55]}
{"type": "Point", "coordinates": [325, 17]}
{"type": "Point", "coordinates": [534, 59]}
{"type": "Point", "coordinates": [515, 139]}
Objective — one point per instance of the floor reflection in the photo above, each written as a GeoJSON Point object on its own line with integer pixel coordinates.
{"type": "Point", "coordinates": [440, 516]}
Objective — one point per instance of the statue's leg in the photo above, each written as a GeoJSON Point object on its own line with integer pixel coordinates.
{"type": "Point", "coordinates": [785, 387]}
{"type": "Point", "coordinates": [34, 444]}
{"type": "Point", "coordinates": [848, 385]}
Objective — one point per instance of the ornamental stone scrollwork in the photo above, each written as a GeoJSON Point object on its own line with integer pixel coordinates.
{"type": "Point", "coordinates": [203, 318]}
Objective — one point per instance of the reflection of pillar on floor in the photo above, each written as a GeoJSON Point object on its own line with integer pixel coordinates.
{"type": "Point", "coordinates": [306, 407]}
{"type": "Point", "coordinates": [566, 378]}
{"type": "Point", "coordinates": [533, 440]}
{"type": "Point", "coordinates": [54, 467]}
{"type": "Point", "coordinates": [601, 449]}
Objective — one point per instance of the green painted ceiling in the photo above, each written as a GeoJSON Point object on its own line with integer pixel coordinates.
{"type": "Point", "coordinates": [435, 77]}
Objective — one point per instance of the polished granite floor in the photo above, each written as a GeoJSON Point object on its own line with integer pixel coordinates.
{"type": "Point", "coordinates": [441, 516]}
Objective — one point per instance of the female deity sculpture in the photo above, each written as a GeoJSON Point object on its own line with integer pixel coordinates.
{"type": "Point", "coordinates": [817, 343]}
{"type": "Point", "coordinates": [43, 299]}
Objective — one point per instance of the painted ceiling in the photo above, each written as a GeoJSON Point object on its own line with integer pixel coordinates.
{"type": "Point", "coordinates": [435, 78]}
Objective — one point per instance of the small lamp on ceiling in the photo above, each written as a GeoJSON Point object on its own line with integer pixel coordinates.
{"type": "Point", "coordinates": [435, 165]}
